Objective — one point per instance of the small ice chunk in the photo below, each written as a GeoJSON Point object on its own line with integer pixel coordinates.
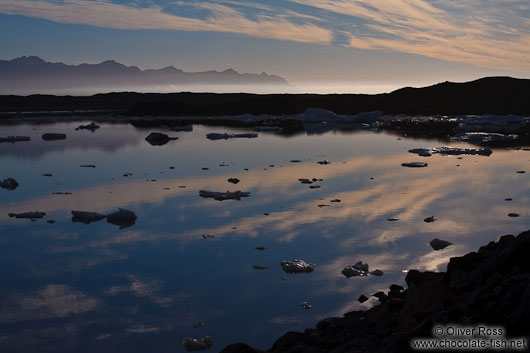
{"type": "Point", "coordinates": [31, 215]}
{"type": "Point", "coordinates": [53, 136]}
{"type": "Point", "coordinates": [9, 184]}
{"type": "Point", "coordinates": [260, 267]}
{"type": "Point", "coordinates": [297, 266]}
{"type": "Point", "coordinates": [86, 217]}
{"type": "Point", "coordinates": [159, 139]}
{"type": "Point", "coordinates": [122, 218]}
{"type": "Point", "coordinates": [220, 196]}
{"type": "Point", "coordinates": [306, 305]}
{"type": "Point", "coordinates": [438, 244]}
{"type": "Point", "coordinates": [415, 164]}
{"type": "Point", "coordinates": [359, 269]}
{"type": "Point", "coordinates": [377, 273]}
{"type": "Point", "coordinates": [92, 127]}
{"type": "Point", "coordinates": [197, 344]}
{"type": "Point", "coordinates": [225, 136]}
{"type": "Point", "coordinates": [14, 139]}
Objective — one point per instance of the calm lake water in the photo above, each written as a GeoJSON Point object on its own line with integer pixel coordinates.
{"type": "Point", "coordinates": [74, 287]}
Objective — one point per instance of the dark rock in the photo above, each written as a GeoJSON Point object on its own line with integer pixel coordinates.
{"type": "Point", "coordinates": [429, 219]}
{"type": "Point", "coordinates": [259, 248]}
{"type": "Point", "coordinates": [233, 180]}
{"type": "Point", "coordinates": [489, 287]}
{"type": "Point", "coordinates": [88, 166]}
{"type": "Point", "coordinates": [438, 244]}
{"type": "Point", "coordinates": [47, 174]}
{"type": "Point", "coordinates": [513, 214]}
{"type": "Point", "coordinates": [240, 348]}
{"type": "Point", "coordinates": [9, 184]}
{"type": "Point", "coordinates": [362, 298]}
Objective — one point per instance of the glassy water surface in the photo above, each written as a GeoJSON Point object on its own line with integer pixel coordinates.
{"type": "Point", "coordinates": [74, 287]}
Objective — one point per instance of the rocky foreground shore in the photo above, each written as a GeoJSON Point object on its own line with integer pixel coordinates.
{"type": "Point", "coordinates": [489, 287]}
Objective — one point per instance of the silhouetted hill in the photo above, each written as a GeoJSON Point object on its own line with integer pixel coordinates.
{"type": "Point", "coordinates": [29, 74]}
{"type": "Point", "coordinates": [493, 95]}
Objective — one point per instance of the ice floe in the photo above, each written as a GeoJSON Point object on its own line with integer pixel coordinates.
{"type": "Point", "coordinates": [197, 344]}
{"type": "Point", "coordinates": [297, 266]}
{"type": "Point", "coordinates": [451, 151]}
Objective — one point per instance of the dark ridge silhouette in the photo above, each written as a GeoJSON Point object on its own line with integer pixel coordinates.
{"type": "Point", "coordinates": [493, 95]}
{"type": "Point", "coordinates": [29, 74]}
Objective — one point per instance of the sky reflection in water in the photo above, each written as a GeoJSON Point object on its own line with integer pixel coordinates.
{"type": "Point", "coordinates": [75, 287]}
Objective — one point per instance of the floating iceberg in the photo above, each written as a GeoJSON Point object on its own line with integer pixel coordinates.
{"type": "Point", "coordinates": [220, 196]}
{"type": "Point", "coordinates": [297, 266]}
{"type": "Point", "coordinates": [197, 344]}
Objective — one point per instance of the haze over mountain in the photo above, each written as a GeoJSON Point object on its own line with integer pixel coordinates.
{"type": "Point", "coordinates": [31, 75]}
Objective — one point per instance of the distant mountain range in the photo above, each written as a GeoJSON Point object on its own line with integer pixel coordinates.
{"type": "Point", "coordinates": [493, 95]}
{"type": "Point", "coordinates": [31, 74]}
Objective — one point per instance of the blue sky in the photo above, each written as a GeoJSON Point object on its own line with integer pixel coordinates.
{"type": "Point", "coordinates": [342, 45]}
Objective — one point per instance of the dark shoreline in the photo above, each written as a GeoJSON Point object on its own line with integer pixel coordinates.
{"type": "Point", "coordinates": [490, 287]}
{"type": "Point", "coordinates": [490, 95]}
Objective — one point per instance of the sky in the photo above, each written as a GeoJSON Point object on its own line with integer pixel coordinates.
{"type": "Point", "coordinates": [357, 46]}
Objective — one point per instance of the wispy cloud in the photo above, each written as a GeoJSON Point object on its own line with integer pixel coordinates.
{"type": "Point", "coordinates": [493, 33]}
{"type": "Point", "coordinates": [101, 13]}
{"type": "Point", "coordinates": [489, 34]}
